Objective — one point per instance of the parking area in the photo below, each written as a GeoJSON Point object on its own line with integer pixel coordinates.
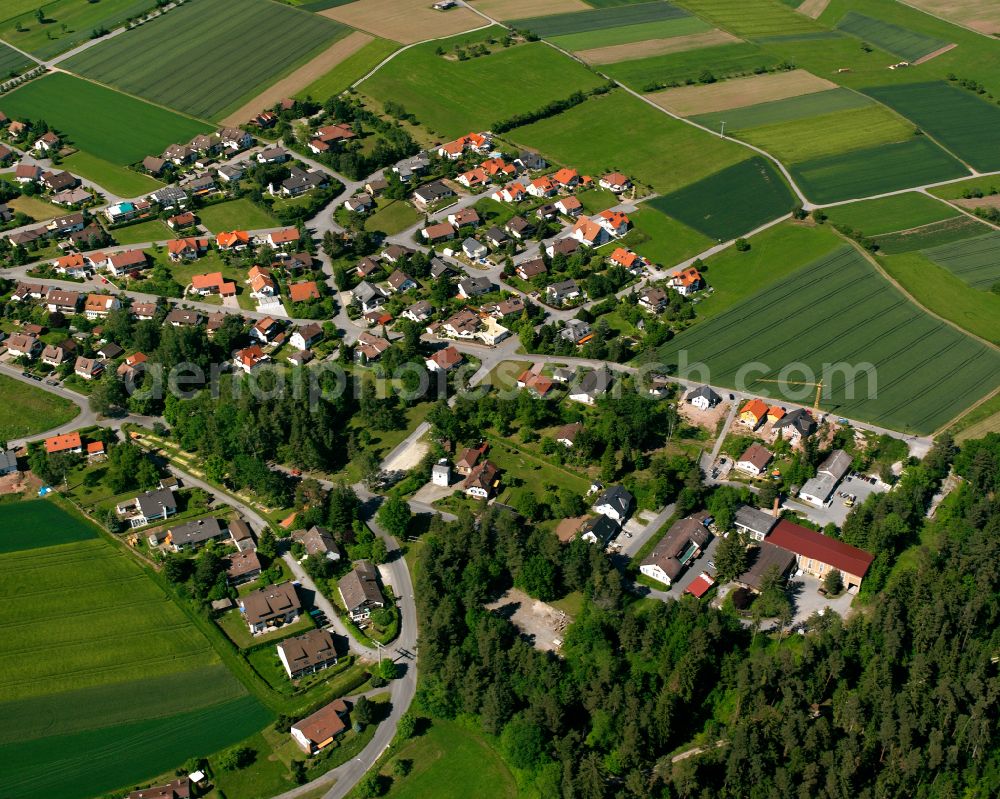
{"type": "Point", "coordinates": [539, 622]}
{"type": "Point", "coordinates": [803, 590]}
{"type": "Point", "coordinates": [835, 511]}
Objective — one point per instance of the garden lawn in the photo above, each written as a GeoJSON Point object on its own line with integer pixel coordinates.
{"type": "Point", "coordinates": [830, 134]}
{"type": "Point", "coordinates": [26, 410]}
{"type": "Point", "coordinates": [142, 232]}
{"type": "Point", "coordinates": [451, 761]}
{"type": "Point", "coordinates": [940, 290]}
{"type": "Point", "coordinates": [789, 109]}
{"type": "Point", "coordinates": [349, 70]}
{"type": "Point", "coordinates": [38, 523]}
{"type": "Point", "coordinates": [100, 121]}
{"type": "Point", "coordinates": [392, 217]}
{"type": "Point", "coordinates": [875, 170]}
{"type": "Point", "coordinates": [238, 214]}
{"type": "Point", "coordinates": [889, 214]}
{"type": "Point", "coordinates": [962, 122]}
{"type": "Point", "coordinates": [974, 261]}
{"type": "Point", "coordinates": [907, 44]}
{"type": "Point", "coordinates": [111, 177]}
{"type": "Point", "coordinates": [721, 61]}
{"type": "Point", "coordinates": [839, 310]}
{"type": "Point", "coordinates": [652, 148]}
{"type": "Point", "coordinates": [452, 97]}
{"type": "Point", "coordinates": [67, 22]}
{"type": "Point", "coordinates": [212, 55]}
{"type": "Point", "coordinates": [732, 202]}
{"type": "Point", "coordinates": [662, 239]}
{"type": "Point", "coordinates": [609, 37]}
{"type": "Point", "coordinates": [37, 208]}
{"type": "Point", "coordinates": [600, 19]}
{"type": "Point", "coordinates": [773, 256]}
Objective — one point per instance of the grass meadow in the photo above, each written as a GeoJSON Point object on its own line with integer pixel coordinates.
{"type": "Point", "coordinates": [962, 122]}
{"type": "Point", "coordinates": [212, 55]}
{"type": "Point", "coordinates": [674, 69]}
{"type": "Point", "coordinates": [104, 123]}
{"type": "Point", "coordinates": [875, 170]}
{"type": "Point", "coordinates": [890, 214]}
{"type": "Point", "coordinates": [349, 70]}
{"type": "Point", "coordinates": [116, 179]}
{"type": "Point", "coordinates": [790, 109]}
{"type": "Point", "coordinates": [235, 215]}
{"type": "Point", "coordinates": [838, 309]}
{"type": "Point", "coordinates": [453, 97]}
{"type": "Point", "coordinates": [26, 410]}
{"type": "Point", "coordinates": [105, 680]}
{"type": "Point", "coordinates": [731, 202]}
{"type": "Point", "coordinates": [652, 148]}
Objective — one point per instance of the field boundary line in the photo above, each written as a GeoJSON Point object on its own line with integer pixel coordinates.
{"type": "Point", "coordinates": [966, 412]}
{"type": "Point", "coordinates": [961, 210]}
{"type": "Point", "coordinates": [957, 24]}
{"type": "Point", "coordinates": [899, 287]}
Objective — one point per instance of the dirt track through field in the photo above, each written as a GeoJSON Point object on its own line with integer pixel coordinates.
{"type": "Point", "coordinates": [521, 9]}
{"type": "Point", "coordinates": [654, 47]}
{"type": "Point", "coordinates": [813, 8]}
{"type": "Point", "coordinates": [935, 54]}
{"type": "Point", "coordinates": [300, 78]}
{"type": "Point", "coordinates": [739, 92]}
{"type": "Point", "coordinates": [405, 21]}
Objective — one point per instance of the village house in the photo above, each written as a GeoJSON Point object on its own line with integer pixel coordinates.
{"type": "Point", "coordinates": [474, 178]}
{"type": "Point", "coordinates": [754, 523]}
{"type": "Point", "coordinates": [55, 355]}
{"type": "Point", "coordinates": [818, 490]}
{"type": "Point", "coordinates": [795, 425]}
{"type": "Point", "coordinates": [265, 330]}
{"type": "Point", "coordinates": [542, 187]}
{"type": "Point", "coordinates": [753, 413]}
{"type": "Point", "coordinates": [444, 360]}
{"type": "Point", "coordinates": [566, 435]}
{"type": "Point", "coordinates": [439, 231]}
{"type": "Point", "coordinates": [534, 381]}
{"type": "Point", "coordinates": [122, 263]}
{"type": "Point", "coordinates": [682, 544]}
{"type": "Point", "coordinates": [308, 653]}
{"type": "Point", "coordinates": [754, 460]}
{"type": "Point", "coordinates": [73, 265]}
{"type": "Point", "coordinates": [627, 259]}
{"type": "Point", "coordinates": [369, 347]}
{"type": "Point", "coordinates": [599, 530]}
{"type": "Point", "coordinates": [283, 238]}
{"type": "Point", "coordinates": [591, 385]}
{"type": "Point", "coordinates": [306, 336]}
{"type": "Point", "coordinates": [511, 193]}
{"type": "Point", "coordinates": [474, 287]}
{"type": "Point", "coordinates": [463, 217]}
{"type": "Point", "coordinates": [576, 331]}
{"type": "Point", "coordinates": [318, 541]}
{"type": "Point", "coordinates": [529, 161]}
{"type": "Point", "coordinates": [24, 345]}
{"type": "Point", "coordinates": [191, 535]}
{"type": "Point", "coordinates": [129, 369]}
{"type": "Point", "coordinates": [419, 311]}
{"type": "Point", "coordinates": [569, 206]}
{"type": "Point", "coordinates": [430, 194]}
{"type": "Point", "coordinates": [98, 306]}
{"type": "Point", "coordinates": [319, 730]}
{"type": "Point", "coordinates": [562, 292]}
{"type": "Point", "coordinates": [186, 249]}
{"type": "Point", "coordinates": [529, 269]}
{"type": "Point", "coordinates": [764, 560]}
{"type": "Point", "coordinates": [233, 240]}
{"type": "Point", "coordinates": [566, 178]}
{"type": "Point", "coordinates": [616, 503]}
{"type": "Point", "coordinates": [250, 358]}
{"type": "Point", "coordinates": [271, 607]}
{"type": "Point", "coordinates": [183, 220]}
{"type": "Point", "coordinates": [70, 223]}
{"type": "Point", "coordinates": [179, 317]}
{"type": "Point", "coordinates": [262, 285]}
{"type": "Point", "coordinates": [360, 203]}
{"type": "Point", "coordinates": [242, 567]}
{"type": "Point", "coordinates": [703, 398]}
{"type": "Point", "coordinates": [179, 788]}
{"type": "Point", "coordinates": [483, 481]}
{"type": "Point", "coordinates": [67, 442]}
{"type": "Point", "coordinates": [63, 301]}
{"type": "Point", "coordinates": [212, 283]}
{"type": "Point", "coordinates": [653, 299]}
{"type": "Point", "coordinates": [473, 250]}
{"type": "Point", "coordinates": [367, 296]}
{"type": "Point", "coordinates": [150, 506]}
{"type": "Point", "coordinates": [616, 182]}
{"type": "Point", "coordinates": [589, 232]}
{"type": "Point", "coordinates": [360, 591]}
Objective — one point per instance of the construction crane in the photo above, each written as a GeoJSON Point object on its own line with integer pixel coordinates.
{"type": "Point", "coordinates": [819, 387]}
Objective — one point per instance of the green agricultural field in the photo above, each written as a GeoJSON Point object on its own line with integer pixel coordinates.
{"type": "Point", "coordinates": [212, 55]}
{"type": "Point", "coordinates": [355, 66]}
{"type": "Point", "coordinates": [99, 121]}
{"type": "Point", "coordinates": [773, 256]}
{"type": "Point", "coordinates": [875, 170]}
{"type": "Point", "coordinates": [907, 44]}
{"type": "Point", "coordinates": [674, 69]}
{"type": "Point", "coordinates": [652, 148]}
{"type": "Point", "coordinates": [946, 295]}
{"type": "Point", "coordinates": [974, 261]}
{"type": "Point", "coordinates": [26, 410]}
{"type": "Point", "coordinates": [889, 214]}
{"type": "Point", "coordinates": [67, 22]}
{"type": "Point", "coordinates": [830, 134]}
{"type": "Point", "coordinates": [839, 310]}
{"type": "Point", "coordinates": [38, 523]}
{"type": "Point", "coordinates": [235, 215]}
{"type": "Point", "coordinates": [599, 19]}
{"type": "Point", "coordinates": [791, 109]}
{"type": "Point", "coordinates": [12, 62]}
{"type": "Point", "coordinates": [752, 18]}
{"type": "Point", "coordinates": [732, 202]}
{"type": "Point", "coordinates": [129, 690]}
{"type": "Point", "coordinates": [450, 98]}
{"type": "Point", "coordinates": [663, 240]}
{"type": "Point", "coordinates": [935, 234]}
{"type": "Point", "coordinates": [607, 37]}
{"type": "Point", "coordinates": [958, 119]}
{"type": "Point", "coordinates": [451, 761]}
{"type": "Point", "coordinates": [114, 178]}
{"type": "Point", "coordinates": [970, 187]}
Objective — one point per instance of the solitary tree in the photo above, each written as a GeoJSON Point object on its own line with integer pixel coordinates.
{"type": "Point", "coordinates": [833, 582]}
{"type": "Point", "coordinates": [731, 558]}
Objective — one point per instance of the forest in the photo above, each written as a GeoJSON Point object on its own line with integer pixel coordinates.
{"type": "Point", "coordinates": [899, 700]}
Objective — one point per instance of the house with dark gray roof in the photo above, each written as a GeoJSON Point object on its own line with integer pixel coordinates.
{"type": "Point", "coordinates": [818, 490]}
{"type": "Point", "coordinates": [703, 398]}
{"type": "Point", "coordinates": [753, 522]}
{"type": "Point", "coordinates": [615, 502]}
{"type": "Point", "coordinates": [359, 589]}
{"type": "Point", "coordinates": [149, 507]}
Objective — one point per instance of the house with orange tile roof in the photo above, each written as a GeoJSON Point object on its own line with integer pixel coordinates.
{"type": "Point", "coordinates": [302, 292]}
{"type": "Point", "coordinates": [626, 258]}
{"type": "Point", "coordinates": [233, 240]}
{"type": "Point", "coordinates": [587, 231]}
{"type": "Point", "coordinates": [615, 222]}
{"type": "Point", "coordinates": [774, 413]}
{"type": "Point", "coordinates": [511, 193]}
{"type": "Point", "coordinates": [188, 249]}
{"type": "Point", "coordinates": [97, 306]}
{"type": "Point", "coordinates": [570, 206]}
{"type": "Point", "coordinates": [250, 358]}
{"type": "Point", "coordinates": [72, 265]}
{"type": "Point", "coordinates": [534, 381]}
{"type": "Point", "coordinates": [753, 413]}
{"type": "Point", "coordinates": [542, 187]}
{"type": "Point", "coordinates": [212, 283]}
{"type": "Point", "coordinates": [68, 442]}
{"type": "Point", "coordinates": [616, 182]}
{"type": "Point", "coordinates": [280, 238]}
{"type": "Point", "coordinates": [497, 166]}
{"type": "Point", "coordinates": [567, 178]}
{"type": "Point", "coordinates": [261, 282]}
{"type": "Point", "coordinates": [686, 281]}
{"type": "Point", "coordinates": [474, 178]}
